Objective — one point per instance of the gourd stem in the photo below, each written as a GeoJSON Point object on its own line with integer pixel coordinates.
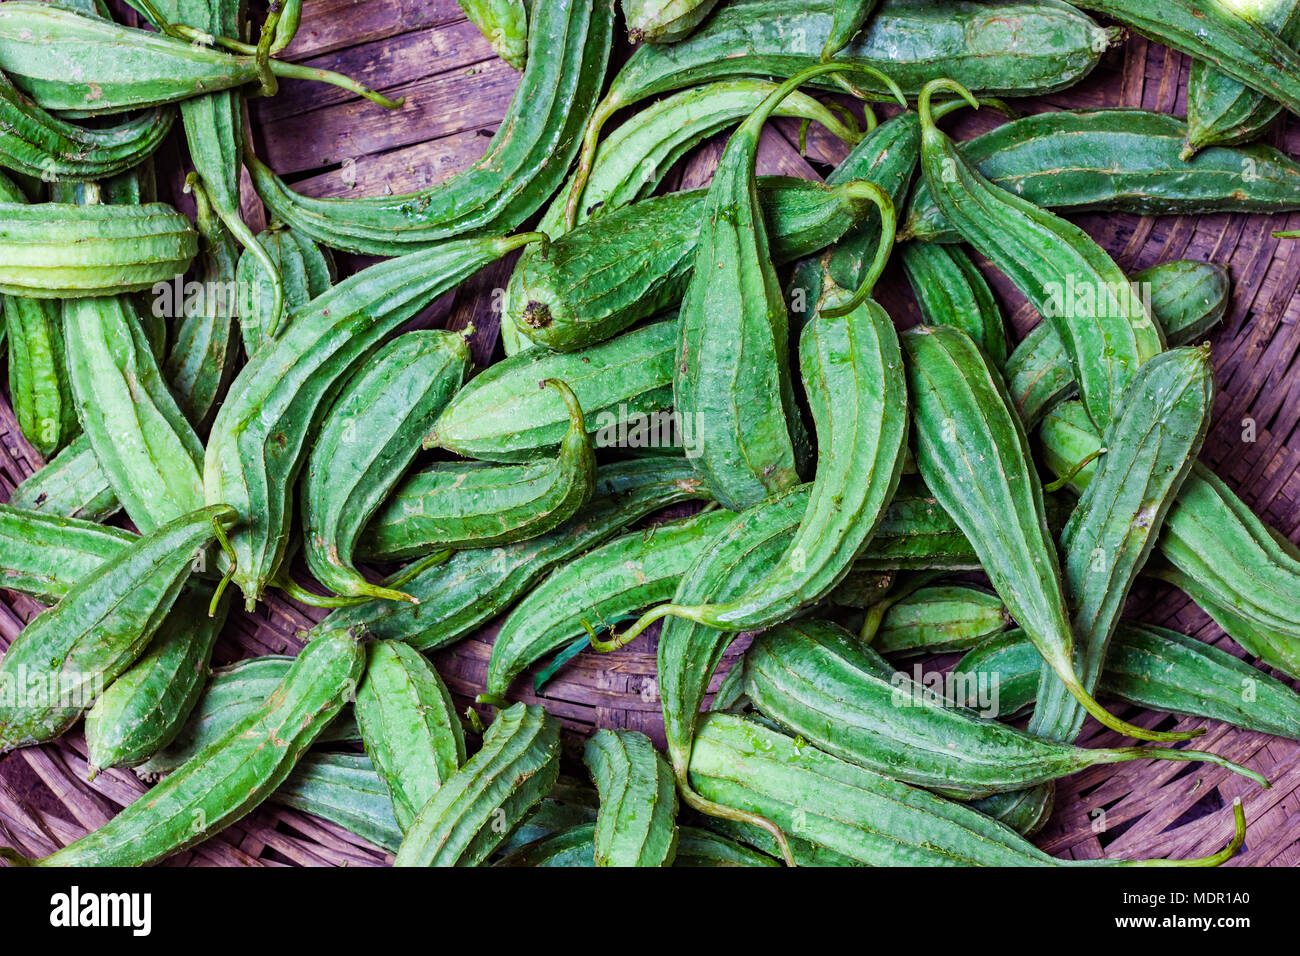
{"type": "Point", "coordinates": [1073, 473]}
{"type": "Point", "coordinates": [696, 613]}
{"type": "Point", "coordinates": [606, 108]}
{"type": "Point", "coordinates": [1089, 703]}
{"type": "Point", "coordinates": [876, 613]}
{"type": "Point", "coordinates": [1216, 859]}
{"type": "Point", "coordinates": [1287, 234]}
{"type": "Point", "coordinates": [292, 71]}
{"type": "Point", "coordinates": [723, 812]}
{"type": "Point", "coordinates": [416, 568]}
{"type": "Point", "coordinates": [263, 53]}
{"type": "Point", "coordinates": [299, 593]}
{"type": "Point", "coordinates": [923, 101]}
{"type": "Point", "coordinates": [1118, 754]}
{"type": "Point", "coordinates": [232, 563]}
{"type": "Point", "coordinates": [888, 226]}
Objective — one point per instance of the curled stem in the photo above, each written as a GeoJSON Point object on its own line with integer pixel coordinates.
{"type": "Point", "coordinates": [724, 812]}
{"type": "Point", "coordinates": [292, 71]}
{"type": "Point", "coordinates": [923, 101]}
{"type": "Point", "coordinates": [1105, 717]}
{"type": "Point", "coordinates": [293, 589]}
{"type": "Point", "coordinates": [1215, 859]}
{"type": "Point", "coordinates": [232, 563]}
{"type": "Point", "coordinates": [863, 189]}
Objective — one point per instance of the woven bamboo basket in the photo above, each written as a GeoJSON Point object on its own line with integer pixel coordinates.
{"type": "Point", "coordinates": [331, 144]}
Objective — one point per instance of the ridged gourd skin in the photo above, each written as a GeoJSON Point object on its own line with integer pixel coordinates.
{"type": "Point", "coordinates": [36, 143]}
{"type": "Point", "coordinates": [637, 823]}
{"type": "Point", "coordinates": [603, 277]}
{"type": "Point", "coordinates": [258, 442]}
{"type": "Point", "coordinates": [98, 629]}
{"type": "Point", "coordinates": [974, 455]}
{"type": "Point", "coordinates": [142, 440]}
{"type": "Point", "coordinates": [505, 25]}
{"type": "Point", "coordinates": [1187, 299]}
{"type": "Point", "coordinates": [479, 806]}
{"type": "Point", "coordinates": [343, 788]}
{"type": "Point", "coordinates": [45, 555]}
{"type": "Point", "coordinates": [473, 505]}
{"type": "Point", "coordinates": [620, 577]}
{"type": "Point", "coordinates": [234, 774]}
{"type": "Point", "coordinates": [501, 415]}
{"type": "Point", "coordinates": [814, 680]}
{"type": "Point", "coordinates": [951, 291]}
{"type": "Point", "coordinates": [367, 441]}
{"type": "Point", "coordinates": [1150, 450]}
{"type": "Point", "coordinates": [1243, 573]}
{"type": "Point", "coordinates": [1215, 33]}
{"type": "Point", "coordinates": [664, 21]}
{"type": "Point", "coordinates": [306, 271]}
{"type": "Point", "coordinates": [409, 726]}
{"type": "Point", "coordinates": [939, 620]}
{"type": "Point", "coordinates": [1114, 160]}
{"type": "Point", "coordinates": [71, 485]}
{"type": "Point", "coordinates": [476, 585]}
{"type": "Point", "coordinates": [1013, 49]}
{"type": "Point", "coordinates": [527, 160]}
{"type": "Point", "coordinates": [147, 706]}
{"type": "Point", "coordinates": [38, 381]}
{"type": "Point", "coordinates": [64, 251]}
{"type": "Point", "coordinates": [855, 385]}
{"type": "Point", "coordinates": [871, 819]}
{"type": "Point", "coordinates": [1223, 110]}
{"type": "Point", "coordinates": [1105, 327]}
{"type": "Point", "coordinates": [633, 159]}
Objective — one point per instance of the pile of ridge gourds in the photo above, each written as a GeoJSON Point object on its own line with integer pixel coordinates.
{"type": "Point", "coordinates": [719, 346]}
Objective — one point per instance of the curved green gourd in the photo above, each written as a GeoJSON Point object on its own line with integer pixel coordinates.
{"type": "Point", "coordinates": [479, 806]}
{"type": "Point", "coordinates": [816, 681]}
{"type": "Point", "coordinates": [1106, 329]}
{"type": "Point", "coordinates": [637, 824]}
{"type": "Point", "coordinates": [409, 726]}
{"type": "Point", "coordinates": [951, 291]}
{"type": "Point", "coordinates": [618, 578]}
{"type": "Point", "coordinates": [473, 505]}
{"type": "Point", "coordinates": [97, 630]}
{"type": "Point", "coordinates": [365, 443]}
{"type": "Point", "coordinates": [939, 620]}
{"type": "Point", "coordinates": [141, 439]}
{"type": "Point", "coordinates": [235, 773]}
{"type": "Point", "coordinates": [973, 454]}
{"type": "Point", "coordinates": [257, 444]}
{"type": "Point", "coordinates": [1116, 160]}
{"type": "Point", "coordinates": [867, 817]}
{"type": "Point", "coordinates": [526, 161]}
{"type": "Point", "coordinates": [45, 555]}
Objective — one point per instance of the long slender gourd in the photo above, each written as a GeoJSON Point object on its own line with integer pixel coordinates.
{"type": "Point", "coordinates": [147, 706]}
{"type": "Point", "coordinates": [1106, 329]}
{"type": "Point", "coordinates": [257, 444]}
{"type": "Point", "coordinates": [973, 454]}
{"type": "Point", "coordinates": [632, 160]}
{"type": "Point", "coordinates": [618, 578]}
{"type": "Point", "coordinates": [939, 619]}
{"type": "Point", "coordinates": [637, 824]}
{"type": "Point", "coordinates": [141, 439]}
{"type": "Point", "coordinates": [731, 381]}
{"type": "Point", "coordinates": [230, 695]}
{"type": "Point", "coordinates": [470, 505]}
{"type": "Point", "coordinates": [1150, 667]}
{"type": "Point", "coordinates": [1186, 300]}
{"type": "Point", "coordinates": [1242, 572]}
{"type": "Point", "coordinates": [1116, 160]}
{"type": "Point", "coordinates": [36, 143]}
{"type": "Point", "coordinates": [62, 250]}
{"type": "Point", "coordinates": [853, 377]}
{"type": "Point", "coordinates": [38, 380]}
{"type": "Point", "coordinates": [817, 682]}
{"type": "Point", "coordinates": [234, 774]}
{"type": "Point", "coordinates": [409, 726]}
{"type": "Point", "coordinates": [501, 415]}
{"type": "Point", "coordinates": [999, 49]}
{"type": "Point", "coordinates": [478, 807]}
{"type": "Point", "coordinates": [527, 160]}
{"type": "Point", "coordinates": [367, 441]}
{"type": "Point", "coordinates": [474, 586]}
{"type": "Point", "coordinates": [1215, 33]}
{"type": "Point", "coordinates": [71, 62]}
{"type": "Point", "coordinates": [65, 657]}
{"type": "Point", "coordinates": [868, 817]}
{"type": "Point", "coordinates": [46, 555]}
